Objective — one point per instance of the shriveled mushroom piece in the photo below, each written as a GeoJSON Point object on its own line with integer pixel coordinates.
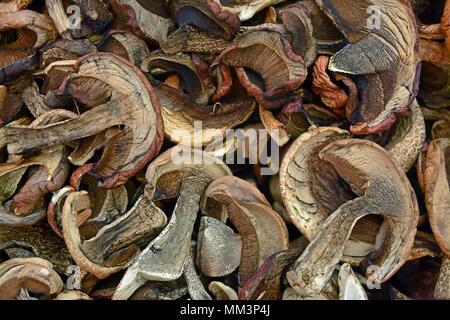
{"type": "Point", "coordinates": [349, 285]}
{"type": "Point", "coordinates": [119, 95]}
{"type": "Point", "coordinates": [148, 18]}
{"type": "Point", "coordinates": [381, 188]}
{"type": "Point", "coordinates": [383, 59]}
{"type": "Point", "coordinates": [433, 170]}
{"type": "Point", "coordinates": [181, 172]}
{"type": "Point", "coordinates": [218, 249]}
{"type": "Point", "coordinates": [34, 274]}
{"type": "Point", "coordinates": [262, 230]}
{"type": "Point", "coordinates": [266, 52]}
{"type": "Point", "coordinates": [222, 291]}
{"type": "Point", "coordinates": [206, 15]}
{"type": "Point", "coordinates": [266, 283]}
{"type": "Point", "coordinates": [195, 286]}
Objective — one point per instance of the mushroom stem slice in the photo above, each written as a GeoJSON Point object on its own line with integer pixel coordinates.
{"type": "Point", "coordinates": [195, 286]}
{"type": "Point", "coordinates": [382, 189]}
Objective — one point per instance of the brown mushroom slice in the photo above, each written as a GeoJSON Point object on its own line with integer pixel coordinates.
{"type": "Point", "coordinates": [425, 245]}
{"type": "Point", "coordinates": [86, 147]}
{"type": "Point", "coordinates": [437, 191]}
{"type": "Point", "coordinates": [181, 172]}
{"type": "Point", "coordinates": [442, 289]}
{"type": "Point", "coordinates": [72, 295]}
{"type": "Point", "coordinates": [208, 16]}
{"type": "Point", "coordinates": [266, 283]}
{"type": "Point", "coordinates": [195, 286]}
{"type": "Point", "coordinates": [435, 84]}
{"type": "Point", "coordinates": [65, 49]}
{"type": "Point", "coordinates": [445, 24]}
{"type": "Point", "coordinates": [297, 21]}
{"type": "Point", "coordinates": [408, 137]}
{"type": "Point", "coordinates": [384, 60]}
{"type": "Point", "coordinates": [218, 248]}
{"type": "Point", "coordinates": [142, 222]}
{"type": "Point", "coordinates": [14, 5]}
{"type": "Point", "coordinates": [97, 15]}
{"type": "Point", "coordinates": [269, 121]}
{"type": "Point", "coordinates": [34, 100]}
{"type": "Point", "coordinates": [146, 20]}
{"type": "Point", "coordinates": [270, 55]}
{"type": "Point", "coordinates": [440, 129]}
{"type": "Point", "coordinates": [35, 274]}
{"type": "Point", "coordinates": [132, 104]}
{"type": "Point", "coordinates": [221, 291]}
{"type": "Point", "coordinates": [126, 45]}
{"type": "Point", "coordinates": [54, 210]}
{"type": "Point", "coordinates": [382, 188]}
{"type": "Point", "coordinates": [349, 286]}
{"type": "Point", "coordinates": [262, 230]}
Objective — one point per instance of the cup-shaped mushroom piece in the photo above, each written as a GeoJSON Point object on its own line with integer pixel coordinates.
{"type": "Point", "coordinates": [117, 94]}
{"type": "Point", "coordinates": [381, 188]}
{"type": "Point", "coordinates": [382, 56]}
{"type": "Point", "coordinates": [178, 172]}
{"type": "Point", "coordinates": [262, 230]}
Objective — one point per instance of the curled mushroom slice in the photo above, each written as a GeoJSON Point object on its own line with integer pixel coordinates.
{"type": "Point", "coordinates": [195, 286]}
{"type": "Point", "coordinates": [208, 16]}
{"type": "Point", "coordinates": [435, 170]}
{"type": "Point", "coordinates": [181, 172]}
{"type": "Point", "coordinates": [34, 274]}
{"type": "Point", "coordinates": [267, 53]}
{"type": "Point", "coordinates": [262, 230]}
{"type": "Point", "coordinates": [221, 291]}
{"type": "Point", "coordinates": [218, 249]}
{"type": "Point", "coordinates": [119, 95]}
{"type": "Point", "coordinates": [349, 286]}
{"type": "Point", "coordinates": [266, 283]}
{"type": "Point", "coordinates": [384, 60]}
{"type": "Point", "coordinates": [147, 18]}
{"type": "Point", "coordinates": [382, 188]}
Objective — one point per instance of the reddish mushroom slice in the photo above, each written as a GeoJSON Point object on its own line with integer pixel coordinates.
{"type": "Point", "coordinates": [269, 54]}
{"type": "Point", "coordinates": [34, 274]}
{"type": "Point", "coordinates": [384, 60]}
{"type": "Point", "coordinates": [146, 18]}
{"type": "Point", "coordinates": [218, 248]}
{"type": "Point", "coordinates": [262, 230]}
{"type": "Point", "coordinates": [177, 172]}
{"type": "Point", "coordinates": [382, 188]}
{"type": "Point", "coordinates": [208, 16]}
{"type": "Point", "coordinates": [266, 283]}
{"type": "Point", "coordinates": [119, 95]}
{"type": "Point", "coordinates": [435, 168]}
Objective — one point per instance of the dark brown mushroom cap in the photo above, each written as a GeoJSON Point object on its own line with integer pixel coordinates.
{"type": "Point", "coordinates": [382, 188]}
{"type": "Point", "coordinates": [98, 80]}
{"type": "Point", "coordinates": [384, 60]}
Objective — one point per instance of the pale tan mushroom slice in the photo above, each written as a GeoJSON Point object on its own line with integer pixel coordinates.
{"type": "Point", "coordinates": [262, 230]}
{"type": "Point", "coordinates": [435, 169]}
{"type": "Point", "coordinates": [119, 95]}
{"type": "Point", "coordinates": [35, 274]}
{"type": "Point", "coordinates": [181, 172]}
{"type": "Point", "coordinates": [34, 100]}
{"type": "Point", "coordinates": [14, 5]}
{"type": "Point", "coordinates": [248, 8]}
{"type": "Point", "coordinates": [218, 248]}
{"type": "Point", "coordinates": [195, 286]}
{"type": "Point", "coordinates": [382, 188]}
{"type": "Point", "coordinates": [384, 59]}
{"type": "Point", "coordinates": [72, 295]}
{"type": "Point", "coordinates": [442, 289]}
{"type": "Point", "coordinates": [221, 291]}
{"type": "Point", "coordinates": [349, 286]}
{"type": "Point", "coordinates": [57, 12]}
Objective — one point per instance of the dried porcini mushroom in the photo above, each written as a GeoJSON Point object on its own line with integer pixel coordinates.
{"type": "Point", "coordinates": [434, 171]}
{"type": "Point", "coordinates": [382, 188]}
{"type": "Point", "coordinates": [218, 248]}
{"type": "Point", "coordinates": [267, 53]}
{"type": "Point", "coordinates": [99, 81]}
{"type": "Point", "coordinates": [36, 275]}
{"type": "Point", "coordinates": [195, 286]}
{"type": "Point", "coordinates": [181, 172]}
{"type": "Point", "coordinates": [262, 230]}
{"type": "Point", "coordinates": [384, 61]}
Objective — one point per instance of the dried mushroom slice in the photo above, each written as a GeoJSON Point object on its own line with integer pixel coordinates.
{"type": "Point", "coordinates": [146, 18]}
{"type": "Point", "coordinates": [435, 84]}
{"type": "Point", "coordinates": [14, 5]}
{"type": "Point", "coordinates": [262, 230]}
{"type": "Point", "coordinates": [208, 16]}
{"type": "Point", "coordinates": [119, 95]}
{"type": "Point", "coordinates": [218, 248]}
{"type": "Point", "coordinates": [435, 168]}
{"type": "Point", "coordinates": [72, 295]}
{"type": "Point", "coordinates": [382, 188]}
{"type": "Point", "coordinates": [248, 8]}
{"type": "Point", "coordinates": [383, 59]}
{"type": "Point", "coordinates": [349, 286]}
{"type": "Point", "coordinates": [442, 289]}
{"type": "Point", "coordinates": [36, 275]}
{"type": "Point", "coordinates": [221, 291]}
{"type": "Point", "coordinates": [270, 55]}
{"type": "Point", "coordinates": [195, 286]}
{"type": "Point", "coordinates": [181, 172]}
{"type": "Point", "coordinates": [57, 12]}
